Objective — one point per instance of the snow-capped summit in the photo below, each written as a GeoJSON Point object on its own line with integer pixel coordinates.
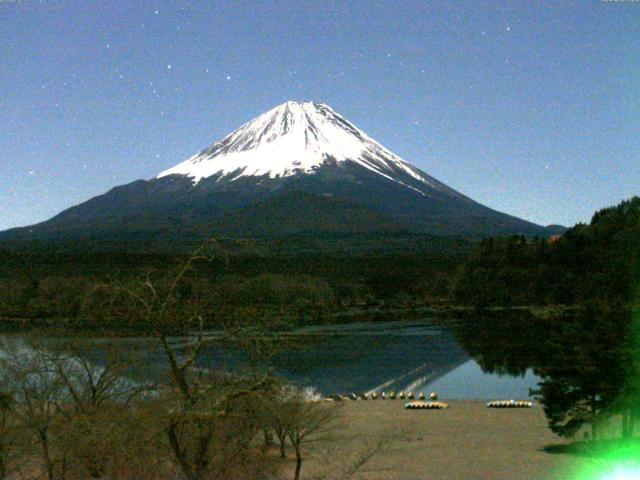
{"type": "Point", "coordinates": [294, 138]}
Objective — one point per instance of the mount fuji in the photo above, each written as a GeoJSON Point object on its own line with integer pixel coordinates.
{"type": "Point", "coordinates": [299, 168]}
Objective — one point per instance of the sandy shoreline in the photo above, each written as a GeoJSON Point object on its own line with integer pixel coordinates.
{"type": "Point", "coordinates": [466, 441]}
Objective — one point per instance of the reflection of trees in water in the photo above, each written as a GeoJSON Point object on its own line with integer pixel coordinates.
{"type": "Point", "coordinates": [505, 344]}
{"type": "Point", "coordinates": [591, 372]}
{"type": "Point", "coordinates": [587, 361]}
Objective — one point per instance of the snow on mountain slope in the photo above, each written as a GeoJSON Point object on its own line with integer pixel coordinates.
{"type": "Point", "coordinates": [294, 138]}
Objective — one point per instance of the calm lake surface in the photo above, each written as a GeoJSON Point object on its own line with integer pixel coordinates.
{"type": "Point", "coordinates": [364, 357]}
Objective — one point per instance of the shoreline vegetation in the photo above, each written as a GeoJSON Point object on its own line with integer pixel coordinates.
{"type": "Point", "coordinates": [436, 315]}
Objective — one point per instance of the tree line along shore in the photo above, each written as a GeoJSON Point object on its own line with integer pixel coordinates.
{"type": "Point", "coordinates": [588, 264]}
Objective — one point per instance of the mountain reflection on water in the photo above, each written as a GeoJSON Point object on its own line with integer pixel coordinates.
{"type": "Point", "coordinates": [473, 357]}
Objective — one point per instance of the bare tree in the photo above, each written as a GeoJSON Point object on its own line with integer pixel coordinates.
{"type": "Point", "coordinates": [344, 460]}
{"type": "Point", "coordinates": [74, 410]}
{"type": "Point", "coordinates": [6, 433]}
{"type": "Point", "coordinates": [37, 395]}
{"type": "Point", "coordinates": [95, 384]}
{"type": "Point", "coordinates": [96, 402]}
{"type": "Point", "coordinates": [276, 414]}
{"type": "Point", "coordinates": [208, 427]}
{"type": "Point", "coordinates": [307, 422]}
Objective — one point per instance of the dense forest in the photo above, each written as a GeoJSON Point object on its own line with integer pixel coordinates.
{"type": "Point", "coordinates": [595, 263]}
{"type": "Point", "coordinates": [67, 286]}
{"type": "Point", "coordinates": [335, 279]}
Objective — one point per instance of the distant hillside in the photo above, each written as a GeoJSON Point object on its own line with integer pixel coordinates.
{"type": "Point", "coordinates": [301, 213]}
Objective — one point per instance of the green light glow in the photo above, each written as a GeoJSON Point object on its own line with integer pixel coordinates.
{"type": "Point", "coordinates": [617, 461]}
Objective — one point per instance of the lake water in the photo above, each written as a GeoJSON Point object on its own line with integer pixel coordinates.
{"type": "Point", "coordinates": [365, 357]}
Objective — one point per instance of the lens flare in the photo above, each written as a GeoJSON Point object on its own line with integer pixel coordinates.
{"type": "Point", "coordinates": [623, 472]}
{"type": "Point", "coordinates": [617, 461]}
